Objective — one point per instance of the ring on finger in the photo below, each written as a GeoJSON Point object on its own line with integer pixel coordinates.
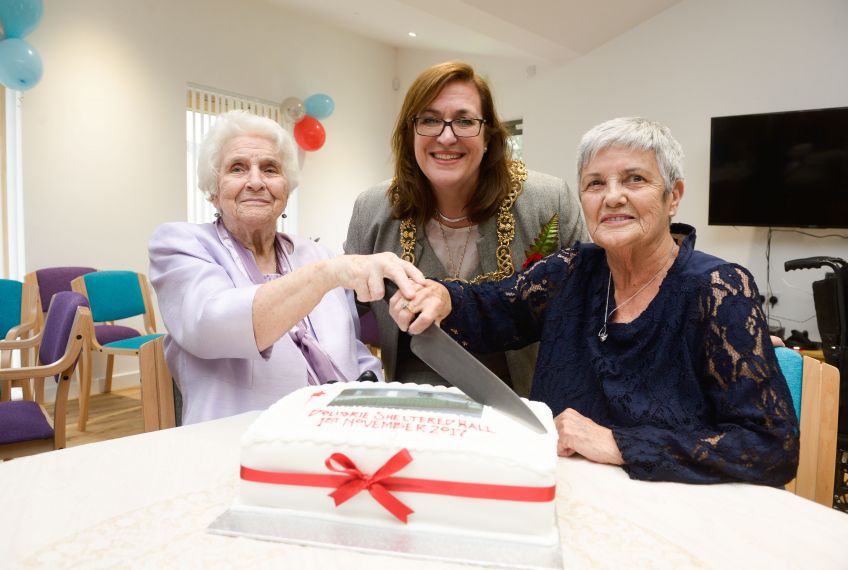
{"type": "Point", "coordinates": [404, 306]}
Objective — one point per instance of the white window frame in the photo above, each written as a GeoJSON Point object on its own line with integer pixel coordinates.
{"type": "Point", "coordinates": [12, 262]}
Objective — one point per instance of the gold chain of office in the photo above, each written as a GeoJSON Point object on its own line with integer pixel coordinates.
{"type": "Point", "coordinates": [506, 230]}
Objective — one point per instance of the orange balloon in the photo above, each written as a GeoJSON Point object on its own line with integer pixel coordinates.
{"type": "Point", "coordinates": [309, 133]}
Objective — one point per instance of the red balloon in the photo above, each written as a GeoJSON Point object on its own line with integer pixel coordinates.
{"type": "Point", "coordinates": [309, 133]}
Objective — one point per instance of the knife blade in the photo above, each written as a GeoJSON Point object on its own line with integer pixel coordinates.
{"type": "Point", "coordinates": [459, 367]}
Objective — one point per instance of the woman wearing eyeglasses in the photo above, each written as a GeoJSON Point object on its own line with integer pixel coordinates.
{"type": "Point", "coordinates": [458, 207]}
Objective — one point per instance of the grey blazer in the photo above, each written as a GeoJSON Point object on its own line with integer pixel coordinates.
{"type": "Point", "coordinates": [372, 230]}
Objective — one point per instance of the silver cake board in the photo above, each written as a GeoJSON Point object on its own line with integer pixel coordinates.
{"type": "Point", "coordinates": [287, 527]}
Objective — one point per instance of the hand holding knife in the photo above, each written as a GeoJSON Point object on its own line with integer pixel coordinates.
{"type": "Point", "coordinates": [459, 367]}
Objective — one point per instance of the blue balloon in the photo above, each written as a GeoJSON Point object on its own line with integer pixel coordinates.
{"type": "Point", "coordinates": [319, 106]}
{"type": "Point", "coordinates": [20, 17]}
{"type": "Point", "coordinates": [20, 64]}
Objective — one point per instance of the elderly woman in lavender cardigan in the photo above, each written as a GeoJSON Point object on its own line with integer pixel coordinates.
{"type": "Point", "coordinates": [253, 314]}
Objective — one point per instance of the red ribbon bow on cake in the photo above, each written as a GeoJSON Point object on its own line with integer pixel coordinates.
{"type": "Point", "coordinates": [359, 481]}
{"type": "Point", "coordinates": [352, 481]}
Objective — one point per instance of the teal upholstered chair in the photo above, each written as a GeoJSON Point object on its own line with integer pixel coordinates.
{"type": "Point", "coordinates": [113, 296]}
{"type": "Point", "coordinates": [792, 365]}
{"type": "Point", "coordinates": [814, 387]}
{"type": "Point", "coordinates": [18, 319]}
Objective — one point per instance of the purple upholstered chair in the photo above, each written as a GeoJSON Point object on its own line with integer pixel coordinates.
{"type": "Point", "coordinates": [52, 280]}
{"type": "Point", "coordinates": [25, 426]}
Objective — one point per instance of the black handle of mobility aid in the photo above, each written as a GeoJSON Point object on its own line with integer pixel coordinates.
{"type": "Point", "coordinates": [814, 263]}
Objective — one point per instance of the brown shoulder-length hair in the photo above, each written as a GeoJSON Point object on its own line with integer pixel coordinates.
{"type": "Point", "coordinates": [414, 194]}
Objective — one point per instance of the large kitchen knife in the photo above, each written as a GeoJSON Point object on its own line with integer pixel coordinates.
{"type": "Point", "coordinates": [459, 367]}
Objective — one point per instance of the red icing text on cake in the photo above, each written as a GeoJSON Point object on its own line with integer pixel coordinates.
{"type": "Point", "coordinates": [400, 421]}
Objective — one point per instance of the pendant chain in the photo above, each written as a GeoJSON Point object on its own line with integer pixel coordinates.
{"type": "Point", "coordinates": [602, 334]}
{"type": "Point", "coordinates": [454, 270]}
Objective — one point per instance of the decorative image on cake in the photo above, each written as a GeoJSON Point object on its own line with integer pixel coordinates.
{"type": "Point", "coordinates": [427, 400]}
{"type": "Point", "coordinates": [423, 459]}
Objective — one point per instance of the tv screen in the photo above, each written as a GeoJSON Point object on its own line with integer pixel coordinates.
{"type": "Point", "coordinates": [780, 169]}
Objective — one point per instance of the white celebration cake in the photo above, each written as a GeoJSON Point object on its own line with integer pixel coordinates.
{"type": "Point", "coordinates": [426, 458]}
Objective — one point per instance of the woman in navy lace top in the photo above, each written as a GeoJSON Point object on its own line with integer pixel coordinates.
{"type": "Point", "coordinates": [653, 355]}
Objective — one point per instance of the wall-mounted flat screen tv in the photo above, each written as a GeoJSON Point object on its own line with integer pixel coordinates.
{"type": "Point", "coordinates": [780, 169]}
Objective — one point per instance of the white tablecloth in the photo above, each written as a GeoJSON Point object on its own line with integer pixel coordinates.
{"type": "Point", "coordinates": [145, 501]}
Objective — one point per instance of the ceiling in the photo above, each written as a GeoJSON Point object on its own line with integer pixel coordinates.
{"type": "Point", "coordinates": [553, 31]}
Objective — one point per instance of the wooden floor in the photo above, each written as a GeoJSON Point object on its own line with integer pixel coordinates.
{"type": "Point", "coordinates": [112, 415]}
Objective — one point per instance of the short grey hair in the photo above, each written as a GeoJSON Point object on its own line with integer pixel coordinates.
{"type": "Point", "coordinates": [638, 134]}
{"type": "Point", "coordinates": [236, 123]}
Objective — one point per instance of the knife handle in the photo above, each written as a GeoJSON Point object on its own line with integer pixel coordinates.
{"type": "Point", "coordinates": [390, 287]}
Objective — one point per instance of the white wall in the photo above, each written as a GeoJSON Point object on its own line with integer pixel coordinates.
{"type": "Point", "coordinates": [104, 130]}
{"type": "Point", "coordinates": [694, 61]}
{"type": "Point", "coordinates": [510, 79]}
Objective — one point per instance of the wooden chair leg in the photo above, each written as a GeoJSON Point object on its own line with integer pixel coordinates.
{"type": "Point", "coordinates": [84, 373]}
{"type": "Point", "coordinates": [26, 388]}
{"type": "Point", "coordinates": [39, 391]}
{"type": "Point", "coordinates": [149, 391]}
{"type": "Point", "coordinates": [60, 413]}
{"type": "Point", "coordinates": [5, 387]}
{"type": "Point", "coordinates": [110, 364]}
{"type": "Point", "coordinates": [26, 385]}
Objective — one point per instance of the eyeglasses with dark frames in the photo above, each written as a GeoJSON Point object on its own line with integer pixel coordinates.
{"type": "Point", "coordinates": [462, 127]}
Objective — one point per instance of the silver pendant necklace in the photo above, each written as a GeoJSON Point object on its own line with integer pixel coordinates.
{"type": "Point", "coordinates": [602, 334]}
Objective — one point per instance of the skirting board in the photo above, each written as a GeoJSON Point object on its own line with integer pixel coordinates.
{"type": "Point", "coordinates": [120, 381]}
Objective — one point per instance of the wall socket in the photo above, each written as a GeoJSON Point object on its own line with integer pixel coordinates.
{"type": "Point", "coordinates": [772, 300]}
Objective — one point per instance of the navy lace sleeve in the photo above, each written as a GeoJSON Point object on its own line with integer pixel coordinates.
{"type": "Point", "coordinates": [753, 435]}
{"type": "Point", "coordinates": [505, 315]}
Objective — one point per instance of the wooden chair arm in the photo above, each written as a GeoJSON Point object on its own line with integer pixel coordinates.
{"type": "Point", "coordinates": [21, 344]}
{"type": "Point", "coordinates": [67, 361]}
{"type": "Point", "coordinates": [19, 330]}
{"type": "Point", "coordinates": [26, 372]}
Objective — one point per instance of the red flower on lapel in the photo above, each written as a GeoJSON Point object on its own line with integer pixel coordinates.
{"type": "Point", "coordinates": [545, 243]}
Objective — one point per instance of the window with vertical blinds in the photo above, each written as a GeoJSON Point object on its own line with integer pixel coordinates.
{"type": "Point", "coordinates": [203, 105]}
